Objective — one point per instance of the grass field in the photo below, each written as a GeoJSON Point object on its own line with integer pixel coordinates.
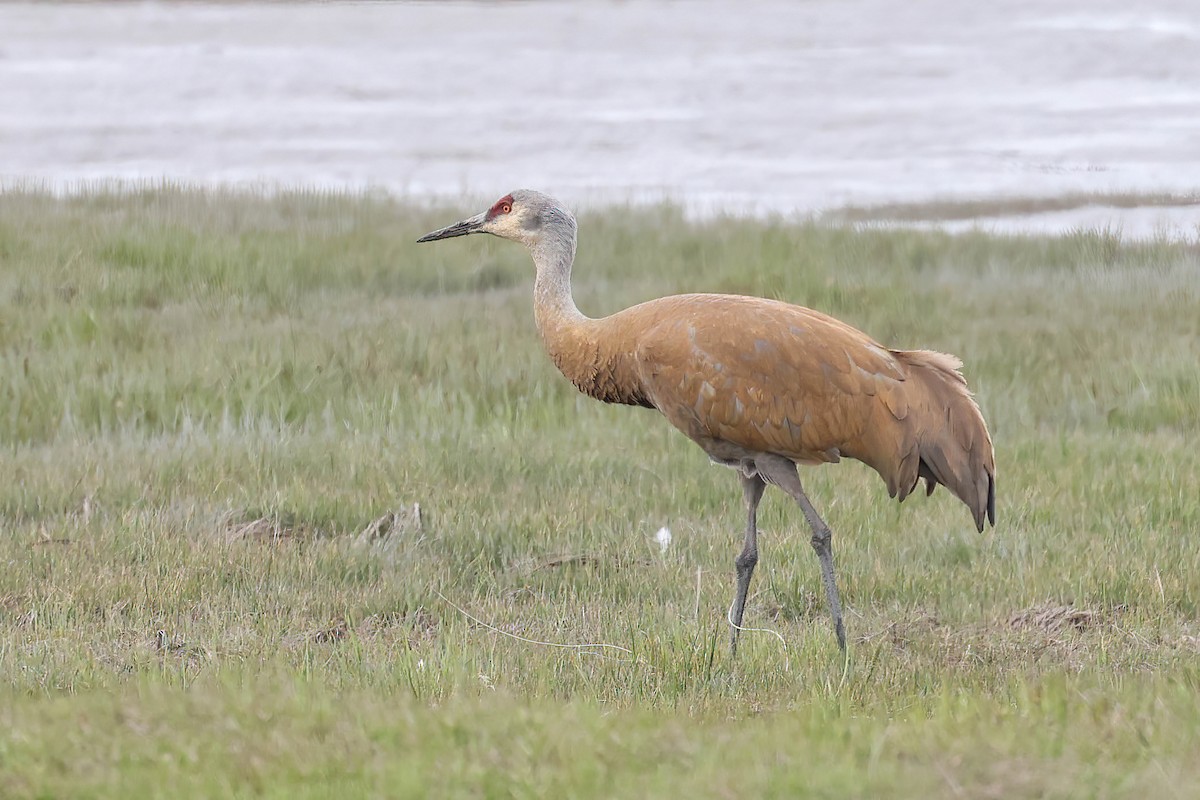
{"type": "Point", "coordinates": [218, 411]}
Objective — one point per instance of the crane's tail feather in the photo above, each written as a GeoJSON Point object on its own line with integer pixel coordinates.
{"type": "Point", "coordinates": [951, 443]}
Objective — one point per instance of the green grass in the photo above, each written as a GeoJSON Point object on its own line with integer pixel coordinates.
{"type": "Point", "coordinates": [209, 400]}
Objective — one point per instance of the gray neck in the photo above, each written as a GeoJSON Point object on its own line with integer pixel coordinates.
{"type": "Point", "coordinates": [553, 255]}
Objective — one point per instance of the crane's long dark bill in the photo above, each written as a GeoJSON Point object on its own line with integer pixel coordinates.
{"type": "Point", "coordinates": [457, 229]}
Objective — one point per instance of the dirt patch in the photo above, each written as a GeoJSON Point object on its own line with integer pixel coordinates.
{"type": "Point", "coordinates": [903, 634]}
{"type": "Point", "coordinates": [45, 541]}
{"type": "Point", "coordinates": [169, 646]}
{"type": "Point", "coordinates": [282, 527]}
{"type": "Point", "coordinates": [1055, 619]}
{"type": "Point", "coordinates": [411, 627]}
{"type": "Point", "coordinates": [334, 632]}
{"type": "Point", "coordinates": [404, 520]}
{"type": "Point", "coordinates": [567, 560]}
{"type": "Point", "coordinates": [13, 602]}
{"type": "Point", "coordinates": [1054, 632]}
{"type": "Point", "coordinates": [262, 529]}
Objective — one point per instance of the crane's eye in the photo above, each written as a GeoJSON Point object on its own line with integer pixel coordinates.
{"type": "Point", "coordinates": [506, 208]}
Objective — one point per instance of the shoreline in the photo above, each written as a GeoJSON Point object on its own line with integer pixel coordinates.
{"type": "Point", "coordinates": [1132, 216]}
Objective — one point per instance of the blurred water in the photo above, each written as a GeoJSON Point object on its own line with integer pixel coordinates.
{"type": "Point", "coordinates": [763, 106]}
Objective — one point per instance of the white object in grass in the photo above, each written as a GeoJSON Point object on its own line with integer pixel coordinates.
{"type": "Point", "coordinates": [663, 537]}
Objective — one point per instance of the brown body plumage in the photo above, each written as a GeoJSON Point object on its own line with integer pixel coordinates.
{"type": "Point", "coordinates": [748, 374]}
{"type": "Point", "coordinates": [759, 384]}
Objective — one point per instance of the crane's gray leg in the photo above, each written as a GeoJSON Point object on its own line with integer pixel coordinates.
{"type": "Point", "coordinates": [752, 488]}
{"type": "Point", "coordinates": [782, 473]}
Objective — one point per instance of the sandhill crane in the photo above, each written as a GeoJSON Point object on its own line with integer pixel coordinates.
{"type": "Point", "coordinates": [760, 385]}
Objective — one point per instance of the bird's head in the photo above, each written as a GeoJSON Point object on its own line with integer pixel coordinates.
{"type": "Point", "coordinates": [524, 216]}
